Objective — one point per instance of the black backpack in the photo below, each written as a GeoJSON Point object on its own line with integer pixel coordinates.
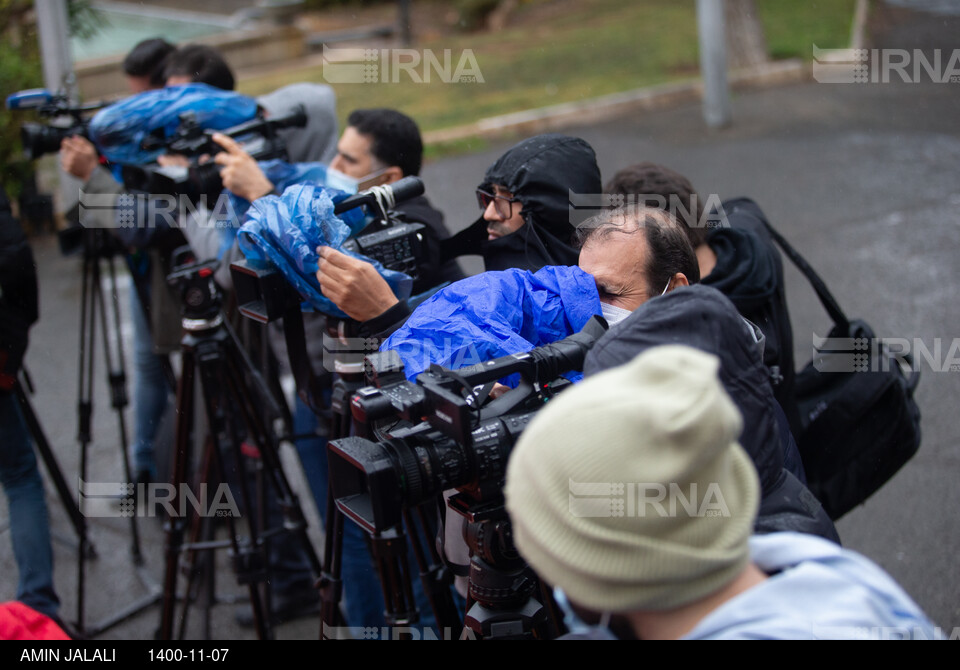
{"type": "Point", "coordinates": [860, 420]}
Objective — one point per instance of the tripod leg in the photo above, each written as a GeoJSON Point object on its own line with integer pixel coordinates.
{"type": "Point", "coordinates": [436, 579]}
{"type": "Point", "coordinates": [294, 519]}
{"type": "Point", "coordinates": [53, 468]}
{"type": "Point", "coordinates": [197, 577]}
{"type": "Point", "coordinates": [181, 459]}
{"type": "Point", "coordinates": [248, 560]}
{"type": "Point", "coordinates": [330, 584]}
{"type": "Point", "coordinates": [390, 552]}
{"type": "Point", "coordinates": [116, 378]}
{"type": "Point", "coordinates": [84, 412]}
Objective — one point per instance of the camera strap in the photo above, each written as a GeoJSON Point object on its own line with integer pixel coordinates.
{"type": "Point", "coordinates": [309, 386]}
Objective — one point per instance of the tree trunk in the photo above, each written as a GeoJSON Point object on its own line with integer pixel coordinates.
{"type": "Point", "coordinates": [746, 43]}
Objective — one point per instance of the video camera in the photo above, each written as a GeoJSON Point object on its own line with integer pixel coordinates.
{"type": "Point", "coordinates": [441, 435]}
{"type": "Point", "coordinates": [38, 138]}
{"type": "Point", "coordinates": [197, 180]}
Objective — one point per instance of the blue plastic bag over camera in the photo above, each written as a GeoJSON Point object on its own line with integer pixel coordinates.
{"type": "Point", "coordinates": [119, 129]}
{"type": "Point", "coordinates": [283, 175]}
{"type": "Point", "coordinates": [286, 230]}
{"type": "Point", "coordinates": [495, 314]}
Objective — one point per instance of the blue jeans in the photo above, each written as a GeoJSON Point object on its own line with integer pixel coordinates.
{"type": "Point", "coordinates": [363, 603]}
{"type": "Point", "coordinates": [29, 523]}
{"type": "Point", "coordinates": [150, 390]}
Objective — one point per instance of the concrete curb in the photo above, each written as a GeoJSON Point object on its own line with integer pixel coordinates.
{"type": "Point", "coordinates": [595, 110]}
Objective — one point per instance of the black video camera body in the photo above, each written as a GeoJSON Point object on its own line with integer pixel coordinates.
{"type": "Point", "coordinates": [201, 181]}
{"type": "Point", "coordinates": [66, 120]}
{"type": "Point", "coordinates": [442, 436]}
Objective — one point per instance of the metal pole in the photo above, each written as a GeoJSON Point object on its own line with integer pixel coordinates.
{"type": "Point", "coordinates": [54, 33]}
{"type": "Point", "coordinates": [406, 36]}
{"type": "Point", "coordinates": [713, 63]}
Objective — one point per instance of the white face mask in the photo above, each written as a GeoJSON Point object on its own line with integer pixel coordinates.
{"type": "Point", "coordinates": [613, 314]}
{"type": "Point", "coordinates": [341, 182]}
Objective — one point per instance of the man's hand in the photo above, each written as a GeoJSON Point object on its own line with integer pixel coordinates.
{"type": "Point", "coordinates": [241, 175]}
{"type": "Point", "coordinates": [78, 157]}
{"type": "Point", "coordinates": [353, 285]}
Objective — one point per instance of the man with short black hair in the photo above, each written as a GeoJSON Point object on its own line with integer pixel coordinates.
{"type": "Point", "coordinates": [199, 62]}
{"type": "Point", "coordinates": [378, 147]}
{"type": "Point", "coordinates": [145, 64]}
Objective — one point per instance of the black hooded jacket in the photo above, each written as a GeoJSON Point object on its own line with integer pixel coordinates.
{"type": "Point", "coordinates": [749, 271]}
{"type": "Point", "coordinates": [541, 172]}
{"type": "Point", "coordinates": [702, 317]}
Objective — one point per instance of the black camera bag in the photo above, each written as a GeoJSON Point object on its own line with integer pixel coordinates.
{"type": "Point", "coordinates": [861, 422]}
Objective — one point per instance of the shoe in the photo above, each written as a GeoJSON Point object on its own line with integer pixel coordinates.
{"type": "Point", "coordinates": [284, 607]}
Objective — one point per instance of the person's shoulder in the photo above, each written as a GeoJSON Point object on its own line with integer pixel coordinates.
{"type": "Point", "coordinates": [421, 210]}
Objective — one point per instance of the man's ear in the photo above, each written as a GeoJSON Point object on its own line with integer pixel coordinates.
{"type": "Point", "coordinates": [679, 280]}
{"type": "Point", "coordinates": [392, 174]}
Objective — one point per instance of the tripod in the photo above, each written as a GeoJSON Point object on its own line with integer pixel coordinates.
{"type": "Point", "coordinates": [211, 355]}
{"type": "Point", "coordinates": [97, 247]}
{"type": "Point", "coordinates": [389, 548]}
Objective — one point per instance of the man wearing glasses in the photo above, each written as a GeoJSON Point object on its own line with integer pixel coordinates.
{"type": "Point", "coordinates": [527, 221]}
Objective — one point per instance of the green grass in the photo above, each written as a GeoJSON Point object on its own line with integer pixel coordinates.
{"type": "Point", "coordinates": [792, 28]}
{"type": "Point", "coordinates": [595, 47]}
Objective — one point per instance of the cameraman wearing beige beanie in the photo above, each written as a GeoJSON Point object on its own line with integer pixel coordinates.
{"type": "Point", "coordinates": [630, 495]}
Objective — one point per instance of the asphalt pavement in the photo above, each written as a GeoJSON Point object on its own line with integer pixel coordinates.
{"type": "Point", "coordinates": [861, 178]}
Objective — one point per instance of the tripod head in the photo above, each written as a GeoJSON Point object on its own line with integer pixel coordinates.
{"type": "Point", "coordinates": [200, 297]}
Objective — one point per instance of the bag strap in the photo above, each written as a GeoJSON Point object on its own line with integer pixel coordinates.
{"type": "Point", "coordinates": [823, 293]}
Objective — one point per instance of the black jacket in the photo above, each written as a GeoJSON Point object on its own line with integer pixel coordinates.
{"type": "Point", "coordinates": [19, 302]}
{"type": "Point", "coordinates": [433, 270]}
{"type": "Point", "coordinates": [749, 271]}
{"type": "Point", "coordinates": [541, 172]}
{"type": "Point", "coordinates": [701, 317]}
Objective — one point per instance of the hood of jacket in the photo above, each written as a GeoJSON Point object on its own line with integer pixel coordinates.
{"type": "Point", "coordinates": [541, 172]}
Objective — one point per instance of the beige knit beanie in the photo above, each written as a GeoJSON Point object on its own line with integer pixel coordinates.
{"type": "Point", "coordinates": [629, 490]}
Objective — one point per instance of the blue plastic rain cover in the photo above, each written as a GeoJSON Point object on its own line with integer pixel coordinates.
{"type": "Point", "coordinates": [119, 129]}
{"type": "Point", "coordinates": [282, 175]}
{"type": "Point", "coordinates": [495, 314]}
{"type": "Point", "coordinates": [286, 230]}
